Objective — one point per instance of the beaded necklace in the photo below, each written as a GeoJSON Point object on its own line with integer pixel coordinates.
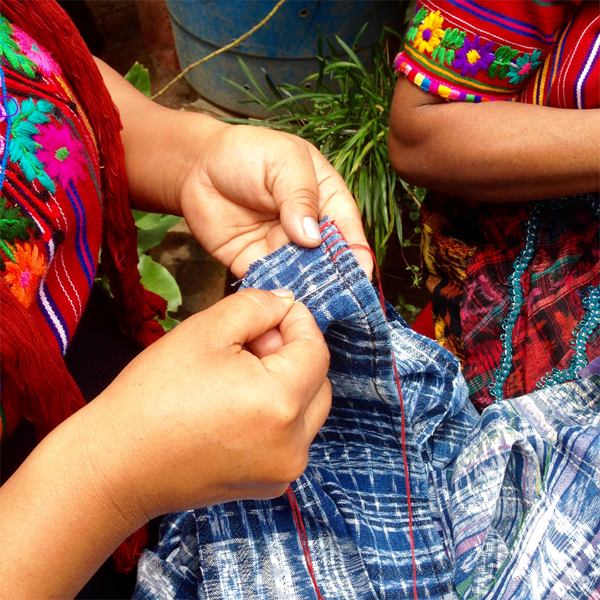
{"type": "Point", "coordinates": [590, 302]}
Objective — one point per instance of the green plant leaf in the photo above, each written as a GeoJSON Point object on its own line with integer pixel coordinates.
{"type": "Point", "coordinates": [139, 77]}
{"type": "Point", "coordinates": [152, 228]}
{"type": "Point", "coordinates": [169, 323]}
{"type": "Point", "coordinates": [158, 280]}
{"type": "Point", "coordinates": [145, 220]}
{"type": "Point", "coordinates": [152, 236]}
{"type": "Point", "coordinates": [252, 79]}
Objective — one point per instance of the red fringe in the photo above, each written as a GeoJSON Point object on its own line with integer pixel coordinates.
{"type": "Point", "coordinates": [128, 553]}
{"type": "Point", "coordinates": [49, 25]}
{"type": "Point", "coordinates": [34, 375]}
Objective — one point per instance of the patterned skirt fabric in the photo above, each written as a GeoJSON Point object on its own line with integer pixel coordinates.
{"type": "Point", "coordinates": [469, 251]}
{"type": "Point", "coordinates": [491, 496]}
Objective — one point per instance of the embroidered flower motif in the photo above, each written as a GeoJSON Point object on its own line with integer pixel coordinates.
{"type": "Point", "coordinates": [429, 34]}
{"type": "Point", "coordinates": [35, 53]}
{"type": "Point", "coordinates": [473, 57]}
{"type": "Point", "coordinates": [523, 67]}
{"type": "Point", "coordinates": [2, 117]}
{"type": "Point", "coordinates": [23, 275]}
{"type": "Point", "coordinates": [12, 104]}
{"type": "Point", "coordinates": [61, 154]}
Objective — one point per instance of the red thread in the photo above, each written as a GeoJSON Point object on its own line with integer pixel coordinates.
{"type": "Point", "coordinates": [303, 538]}
{"type": "Point", "coordinates": [403, 433]}
{"type": "Point", "coordinates": [332, 223]}
{"type": "Point", "coordinates": [325, 225]}
{"type": "Point", "coordinates": [290, 493]}
{"type": "Point", "coordinates": [338, 253]}
{"type": "Point", "coordinates": [332, 245]}
{"type": "Point", "coordinates": [328, 236]}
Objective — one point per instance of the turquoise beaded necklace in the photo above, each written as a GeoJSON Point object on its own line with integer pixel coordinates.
{"type": "Point", "coordinates": [590, 302]}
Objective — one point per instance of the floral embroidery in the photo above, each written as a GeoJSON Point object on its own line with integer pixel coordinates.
{"type": "Point", "coordinates": [10, 50]}
{"type": "Point", "coordinates": [13, 227]}
{"type": "Point", "coordinates": [473, 57]}
{"type": "Point", "coordinates": [61, 154]}
{"type": "Point", "coordinates": [22, 147]}
{"type": "Point", "coordinates": [451, 47]}
{"type": "Point", "coordinates": [414, 26]}
{"type": "Point", "coordinates": [502, 60]}
{"type": "Point", "coordinates": [453, 40]}
{"type": "Point", "coordinates": [38, 55]}
{"type": "Point", "coordinates": [524, 66]}
{"type": "Point", "coordinates": [429, 34]}
{"type": "Point", "coordinates": [23, 275]}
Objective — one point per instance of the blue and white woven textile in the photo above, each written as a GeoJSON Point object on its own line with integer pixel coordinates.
{"type": "Point", "coordinates": [505, 505]}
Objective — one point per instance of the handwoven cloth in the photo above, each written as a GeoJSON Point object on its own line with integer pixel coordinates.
{"type": "Point", "coordinates": [492, 496]}
{"type": "Point", "coordinates": [542, 53]}
{"type": "Point", "coordinates": [352, 495]}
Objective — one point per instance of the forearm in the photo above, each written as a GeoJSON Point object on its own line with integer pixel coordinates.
{"type": "Point", "coordinates": [62, 512]}
{"type": "Point", "coordinates": [493, 151]}
{"type": "Point", "coordinates": [160, 144]}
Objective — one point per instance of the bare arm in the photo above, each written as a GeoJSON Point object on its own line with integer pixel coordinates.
{"type": "Point", "coordinates": [160, 144]}
{"type": "Point", "coordinates": [244, 191]}
{"type": "Point", "coordinates": [493, 151]}
{"type": "Point", "coordinates": [194, 420]}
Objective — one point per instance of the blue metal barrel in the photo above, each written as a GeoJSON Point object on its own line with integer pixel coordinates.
{"type": "Point", "coordinates": [286, 47]}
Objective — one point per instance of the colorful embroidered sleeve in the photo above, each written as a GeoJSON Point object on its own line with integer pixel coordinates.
{"type": "Point", "coordinates": [475, 51]}
{"type": "Point", "coordinates": [50, 196]}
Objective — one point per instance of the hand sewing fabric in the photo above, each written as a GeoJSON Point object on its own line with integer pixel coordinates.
{"type": "Point", "coordinates": [244, 191]}
{"type": "Point", "coordinates": [196, 400]}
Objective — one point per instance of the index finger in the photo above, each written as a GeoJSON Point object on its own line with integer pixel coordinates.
{"type": "Point", "coordinates": [336, 201]}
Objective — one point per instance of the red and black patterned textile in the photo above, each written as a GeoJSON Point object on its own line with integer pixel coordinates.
{"type": "Point", "coordinates": [539, 53]}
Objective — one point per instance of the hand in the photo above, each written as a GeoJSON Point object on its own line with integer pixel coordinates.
{"type": "Point", "coordinates": [244, 191]}
{"type": "Point", "coordinates": [194, 420]}
{"type": "Point", "coordinates": [252, 190]}
{"type": "Point", "coordinates": [205, 421]}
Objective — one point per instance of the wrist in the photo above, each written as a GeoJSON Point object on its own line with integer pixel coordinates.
{"type": "Point", "coordinates": [175, 143]}
{"type": "Point", "coordinates": [196, 133]}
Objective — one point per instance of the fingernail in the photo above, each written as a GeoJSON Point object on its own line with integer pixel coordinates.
{"type": "Point", "coordinates": [283, 293]}
{"type": "Point", "coordinates": [311, 229]}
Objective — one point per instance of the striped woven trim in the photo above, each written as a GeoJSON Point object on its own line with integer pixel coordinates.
{"type": "Point", "coordinates": [428, 84]}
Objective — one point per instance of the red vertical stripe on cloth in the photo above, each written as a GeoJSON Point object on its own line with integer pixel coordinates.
{"type": "Point", "coordinates": [403, 432]}
{"type": "Point", "coordinates": [290, 494]}
{"type": "Point", "coordinates": [303, 538]}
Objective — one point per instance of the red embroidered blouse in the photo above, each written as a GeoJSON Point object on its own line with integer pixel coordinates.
{"type": "Point", "coordinates": [536, 52]}
{"type": "Point", "coordinates": [50, 203]}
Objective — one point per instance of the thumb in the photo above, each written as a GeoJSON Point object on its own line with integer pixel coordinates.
{"type": "Point", "coordinates": [249, 313]}
{"type": "Point", "coordinates": [295, 191]}
{"type": "Point", "coordinates": [301, 364]}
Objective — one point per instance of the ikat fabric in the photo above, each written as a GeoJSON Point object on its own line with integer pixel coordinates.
{"type": "Point", "coordinates": [50, 199]}
{"type": "Point", "coordinates": [505, 505]}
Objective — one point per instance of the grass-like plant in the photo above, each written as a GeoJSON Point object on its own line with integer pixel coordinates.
{"type": "Point", "coordinates": [344, 110]}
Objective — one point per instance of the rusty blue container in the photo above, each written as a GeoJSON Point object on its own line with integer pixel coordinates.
{"type": "Point", "coordinates": [286, 47]}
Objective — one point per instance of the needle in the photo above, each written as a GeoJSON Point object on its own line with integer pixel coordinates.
{"type": "Point", "coordinates": [324, 285]}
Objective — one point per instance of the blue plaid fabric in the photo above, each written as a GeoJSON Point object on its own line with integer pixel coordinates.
{"type": "Point", "coordinates": [497, 500]}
